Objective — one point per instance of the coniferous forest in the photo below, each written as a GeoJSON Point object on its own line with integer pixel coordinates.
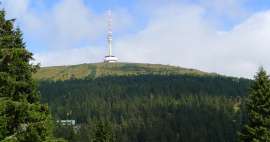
{"type": "Point", "coordinates": [149, 107]}
{"type": "Point", "coordinates": [22, 117]}
{"type": "Point", "coordinates": [124, 102]}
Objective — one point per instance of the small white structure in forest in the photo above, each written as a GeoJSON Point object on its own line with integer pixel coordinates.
{"type": "Point", "coordinates": [110, 58]}
{"type": "Point", "coordinates": [67, 122]}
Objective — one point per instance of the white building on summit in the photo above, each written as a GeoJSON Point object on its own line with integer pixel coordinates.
{"type": "Point", "coordinates": [110, 58]}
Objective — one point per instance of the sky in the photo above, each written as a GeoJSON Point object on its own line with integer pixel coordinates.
{"type": "Point", "coordinates": [229, 37]}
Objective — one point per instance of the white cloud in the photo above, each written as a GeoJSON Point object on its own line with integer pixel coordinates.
{"type": "Point", "coordinates": [232, 8]}
{"type": "Point", "coordinates": [67, 24]}
{"type": "Point", "coordinates": [176, 34]}
{"type": "Point", "coordinates": [179, 35]}
{"type": "Point", "coordinates": [71, 21]}
{"type": "Point", "coordinates": [71, 56]}
{"type": "Point", "coordinates": [16, 8]}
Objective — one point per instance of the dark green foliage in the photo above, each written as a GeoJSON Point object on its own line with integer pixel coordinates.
{"type": "Point", "coordinates": [103, 132]}
{"type": "Point", "coordinates": [257, 128]}
{"type": "Point", "coordinates": [151, 108]}
{"type": "Point", "coordinates": [67, 132]}
{"type": "Point", "coordinates": [22, 117]}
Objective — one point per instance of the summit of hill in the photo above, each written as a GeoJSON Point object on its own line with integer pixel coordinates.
{"type": "Point", "coordinates": [95, 70]}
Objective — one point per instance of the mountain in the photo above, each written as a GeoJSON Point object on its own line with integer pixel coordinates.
{"type": "Point", "coordinates": [143, 102]}
{"type": "Point", "coordinates": [107, 69]}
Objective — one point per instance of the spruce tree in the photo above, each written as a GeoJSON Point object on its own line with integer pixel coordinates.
{"type": "Point", "coordinates": [103, 132]}
{"type": "Point", "coordinates": [22, 117]}
{"type": "Point", "coordinates": [257, 128]}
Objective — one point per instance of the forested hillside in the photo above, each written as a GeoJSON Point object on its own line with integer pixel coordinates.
{"type": "Point", "coordinates": [144, 103]}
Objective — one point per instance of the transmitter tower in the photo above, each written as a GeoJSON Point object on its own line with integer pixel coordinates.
{"type": "Point", "coordinates": [110, 58]}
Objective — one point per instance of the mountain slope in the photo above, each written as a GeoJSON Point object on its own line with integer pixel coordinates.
{"type": "Point", "coordinates": [105, 69]}
{"type": "Point", "coordinates": [144, 102]}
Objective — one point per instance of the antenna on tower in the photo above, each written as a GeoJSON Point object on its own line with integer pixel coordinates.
{"type": "Point", "coordinates": [109, 38]}
{"type": "Point", "coordinates": [110, 58]}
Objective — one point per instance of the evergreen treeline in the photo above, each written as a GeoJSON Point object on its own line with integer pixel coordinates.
{"type": "Point", "coordinates": [257, 107]}
{"type": "Point", "coordinates": [148, 108]}
{"type": "Point", "coordinates": [22, 117]}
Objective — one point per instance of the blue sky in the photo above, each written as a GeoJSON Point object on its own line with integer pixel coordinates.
{"type": "Point", "coordinates": [225, 36]}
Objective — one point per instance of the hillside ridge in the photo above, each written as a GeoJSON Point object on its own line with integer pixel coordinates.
{"type": "Point", "coordinates": [94, 70]}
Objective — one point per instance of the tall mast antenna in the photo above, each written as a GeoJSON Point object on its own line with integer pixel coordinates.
{"type": "Point", "coordinates": [110, 32]}
{"type": "Point", "coordinates": [110, 58]}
